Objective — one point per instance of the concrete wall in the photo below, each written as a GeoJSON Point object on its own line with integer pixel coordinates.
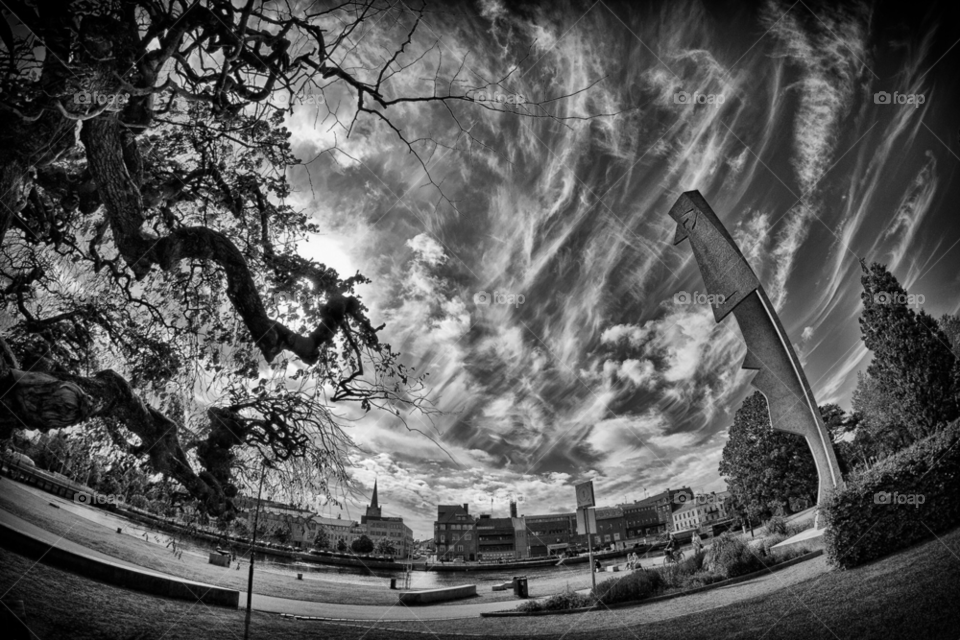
{"type": "Point", "coordinates": [438, 595]}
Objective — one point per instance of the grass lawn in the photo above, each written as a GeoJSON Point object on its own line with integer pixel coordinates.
{"type": "Point", "coordinates": [913, 594]}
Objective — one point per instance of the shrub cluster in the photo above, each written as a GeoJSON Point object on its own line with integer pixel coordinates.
{"type": "Point", "coordinates": [904, 498]}
{"type": "Point", "coordinates": [568, 599]}
{"type": "Point", "coordinates": [631, 587]}
{"type": "Point", "coordinates": [777, 525]}
{"type": "Point", "coordinates": [730, 557]}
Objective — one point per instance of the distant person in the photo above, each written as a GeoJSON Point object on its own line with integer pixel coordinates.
{"type": "Point", "coordinates": [697, 542]}
{"type": "Point", "coordinates": [672, 546]}
{"type": "Point", "coordinates": [597, 565]}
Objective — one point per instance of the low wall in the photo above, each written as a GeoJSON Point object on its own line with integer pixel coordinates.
{"type": "Point", "coordinates": [438, 595]}
{"type": "Point", "coordinates": [115, 573]}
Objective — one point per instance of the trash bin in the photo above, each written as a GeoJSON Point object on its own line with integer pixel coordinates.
{"type": "Point", "coordinates": [520, 587]}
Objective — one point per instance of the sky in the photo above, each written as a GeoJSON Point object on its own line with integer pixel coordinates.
{"type": "Point", "coordinates": [586, 363]}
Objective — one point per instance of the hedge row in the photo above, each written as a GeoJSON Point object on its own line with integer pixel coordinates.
{"type": "Point", "coordinates": [897, 502]}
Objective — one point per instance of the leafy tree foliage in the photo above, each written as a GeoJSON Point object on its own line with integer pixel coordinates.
{"type": "Point", "coordinates": [764, 467]}
{"type": "Point", "coordinates": [385, 548]}
{"type": "Point", "coordinates": [881, 432]}
{"type": "Point", "coordinates": [322, 539]}
{"type": "Point", "coordinates": [363, 544]}
{"type": "Point", "coordinates": [950, 325]}
{"type": "Point", "coordinates": [341, 545]}
{"type": "Point", "coordinates": [909, 386]}
{"type": "Point", "coordinates": [281, 533]}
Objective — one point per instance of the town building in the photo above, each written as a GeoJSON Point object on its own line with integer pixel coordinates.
{"type": "Point", "coordinates": [276, 521]}
{"type": "Point", "coordinates": [389, 535]}
{"type": "Point", "coordinates": [610, 528]}
{"type": "Point", "coordinates": [495, 538]}
{"type": "Point", "coordinates": [641, 519]}
{"type": "Point", "coordinates": [701, 512]}
{"type": "Point", "coordinates": [455, 533]}
{"type": "Point", "coordinates": [552, 534]}
{"type": "Point", "coordinates": [653, 515]}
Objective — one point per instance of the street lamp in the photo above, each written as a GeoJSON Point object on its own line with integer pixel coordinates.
{"type": "Point", "coordinates": [253, 543]}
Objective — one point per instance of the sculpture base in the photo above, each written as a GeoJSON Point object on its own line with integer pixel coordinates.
{"type": "Point", "coordinates": [810, 538]}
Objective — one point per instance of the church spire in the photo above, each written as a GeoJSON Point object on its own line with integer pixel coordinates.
{"type": "Point", "coordinates": [373, 503]}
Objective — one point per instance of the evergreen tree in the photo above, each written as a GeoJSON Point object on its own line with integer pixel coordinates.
{"type": "Point", "coordinates": [882, 430]}
{"type": "Point", "coordinates": [913, 363]}
{"type": "Point", "coordinates": [764, 467]}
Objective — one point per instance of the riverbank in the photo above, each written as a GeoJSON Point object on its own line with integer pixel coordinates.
{"type": "Point", "coordinates": [96, 530]}
{"type": "Point", "coordinates": [906, 595]}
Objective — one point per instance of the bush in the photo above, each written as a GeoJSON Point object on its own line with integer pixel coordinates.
{"type": "Point", "coordinates": [569, 599]}
{"type": "Point", "coordinates": [731, 557]}
{"type": "Point", "coordinates": [700, 579]}
{"type": "Point", "coordinates": [693, 564]}
{"type": "Point", "coordinates": [676, 575]}
{"type": "Point", "coordinates": [769, 541]}
{"type": "Point", "coordinates": [777, 525]}
{"type": "Point", "coordinates": [794, 551]}
{"type": "Point", "coordinates": [865, 521]}
{"type": "Point", "coordinates": [631, 587]}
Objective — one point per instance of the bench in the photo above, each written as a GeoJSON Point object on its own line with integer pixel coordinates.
{"type": "Point", "coordinates": [428, 596]}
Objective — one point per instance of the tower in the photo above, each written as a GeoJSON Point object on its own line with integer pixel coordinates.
{"type": "Point", "coordinates": [373, 511]}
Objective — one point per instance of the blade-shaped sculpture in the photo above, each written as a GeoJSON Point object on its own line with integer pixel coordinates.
{"type": "Point", "coordinates": [780, 377]}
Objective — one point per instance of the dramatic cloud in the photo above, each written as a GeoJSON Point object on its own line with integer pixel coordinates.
{"type": "Point", "coordinates": [537, 285]}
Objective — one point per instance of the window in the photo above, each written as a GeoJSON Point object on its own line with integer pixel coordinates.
{"type": "Point", "coordinates": [460, 548]}
{"type": "Point", "coordinates": [468, 536]}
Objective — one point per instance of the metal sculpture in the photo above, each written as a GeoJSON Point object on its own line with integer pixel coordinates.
{"type": "Point", "coordinates": [735, 288]}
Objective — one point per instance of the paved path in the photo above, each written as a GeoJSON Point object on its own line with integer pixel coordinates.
{"type": "Point", "coordinates": [393, 613]}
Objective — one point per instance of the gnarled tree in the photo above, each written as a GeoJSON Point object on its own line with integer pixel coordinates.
{"type": "Point", "coordinates": [150, 272]}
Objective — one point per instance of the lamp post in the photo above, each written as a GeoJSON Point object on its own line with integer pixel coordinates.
{"type": "Point", "coordinates": [253, 543]}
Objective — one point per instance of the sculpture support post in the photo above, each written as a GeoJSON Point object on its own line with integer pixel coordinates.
{"type": "Point", "coordinates": [780, 378]}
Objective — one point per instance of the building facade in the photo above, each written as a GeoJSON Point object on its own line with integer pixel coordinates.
{"type": "Point", "coordinates": [610, 528]}
{"type": "Point", "coordinates": [701, 512]}
{"type": "Point", "coordinates": [495, 538]}
{"type": "Point", "coordinates": [336, 530]}
{"type": "Point", "coordinates": [455, 533]}
{"type": "Point", "coordinates": [552, 534]}
{"type": "Point", "coordinates": [389, 535]}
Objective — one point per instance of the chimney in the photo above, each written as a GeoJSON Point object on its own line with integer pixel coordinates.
{"type": "Point", "coordinates": [466, 508]}
{"type": "Point", "coordinates": [513, 509]}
